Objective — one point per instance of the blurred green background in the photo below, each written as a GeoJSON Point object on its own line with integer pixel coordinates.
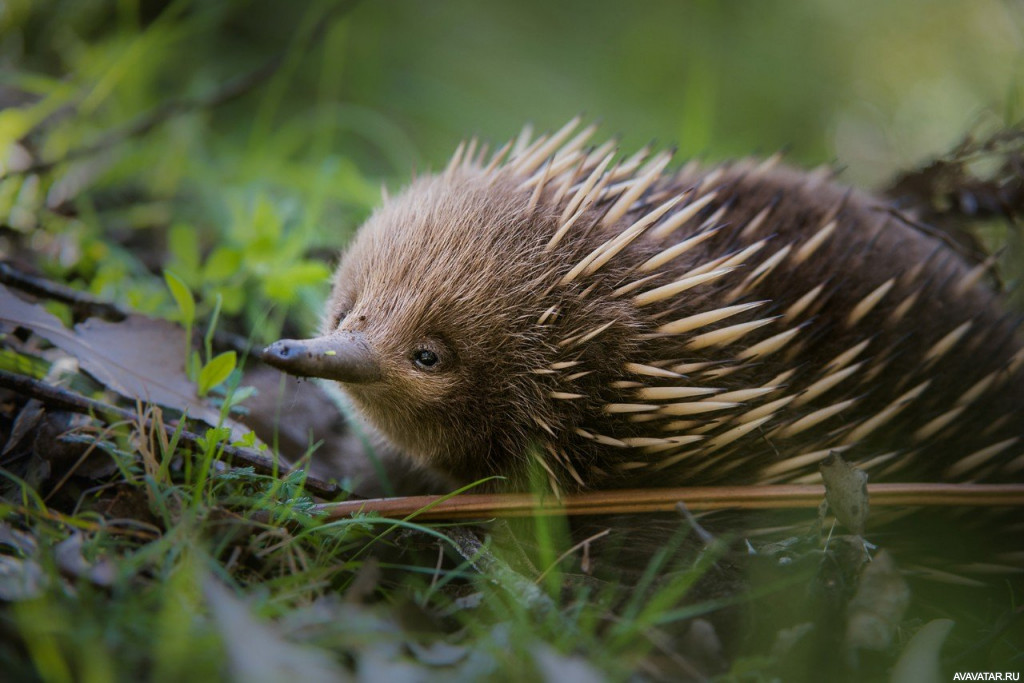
{"type": "Point", "coordinates": [121, 159]}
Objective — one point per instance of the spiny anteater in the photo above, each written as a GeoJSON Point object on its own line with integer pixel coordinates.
{"type": "Point", "coordinates": [620, 324]}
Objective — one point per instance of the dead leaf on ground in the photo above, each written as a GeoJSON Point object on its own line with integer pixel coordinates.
{"type": "Point", "coordinates": [438, 653]}
{"type": "Point", "coordinates": [877, 608]}
{"type": "Point", "coordinates": [554, 667]}
{"type": "Point", "coordinates": [257, 652]}
{"type": "Point", "coordinates": [139, 358]}
{"type": "Point", "coordinates": [70, 560]}
{"type": "Point", "coordinates": [17, 540]}
{"type": "Point", "coordinates": [32, 413]}
{"type": "Point", "coordinates": [919, 662]}
{"type": "Point", "coordinates": [846, 490]}
{"type": "Point", "coordinates": [20, 579]}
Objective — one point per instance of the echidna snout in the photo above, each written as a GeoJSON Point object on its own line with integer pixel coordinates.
{"type": "Point", "coordinates": [345, 357]}
{"type": "Point", "coordinates": [616, 324]}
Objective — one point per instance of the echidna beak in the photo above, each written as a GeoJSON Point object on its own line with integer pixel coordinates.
{"type": "Point", "coordinates": [342, 356]}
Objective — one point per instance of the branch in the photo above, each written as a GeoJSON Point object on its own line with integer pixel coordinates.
{"type": "Point", "coordinates": [942, 197]}
{"type": "Point", "coordinates": [631, 501]}
{"type": "Point", "coordinates": [83, 304]}
{"type": "Point", "coordinates": [76, 403]}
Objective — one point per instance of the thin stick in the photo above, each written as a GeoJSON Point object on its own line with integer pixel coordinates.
{"type": "Point", "coordinates": [627, 501]}
{"type": "Point", "coordinates": [76, 403]}
{"type": "Point", "coordinates": [80, 302]}
{"type": "Point", "coordinates": [570, 551]}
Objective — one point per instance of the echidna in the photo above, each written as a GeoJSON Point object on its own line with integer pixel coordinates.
{"type": "Point", "coordinates": [621, 324]}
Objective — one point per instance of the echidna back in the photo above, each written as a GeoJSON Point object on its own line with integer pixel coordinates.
{"type": "Point", "coordinates": [880, 340]}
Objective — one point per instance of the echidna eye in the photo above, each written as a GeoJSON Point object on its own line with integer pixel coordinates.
{"type": "Point", "coordinates": [425, 358]}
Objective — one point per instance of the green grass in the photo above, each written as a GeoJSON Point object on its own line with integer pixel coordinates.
{"type": "Point", "coordinates": [134, 601]}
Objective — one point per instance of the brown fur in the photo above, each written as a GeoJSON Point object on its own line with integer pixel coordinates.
{"type": "Point", "coordinates": [458, 264]}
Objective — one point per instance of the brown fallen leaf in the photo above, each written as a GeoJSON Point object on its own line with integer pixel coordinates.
{"type": "Point", "coordinates": [875, 611]}
{"type": "Point", "coordinates": [69, 558]}
{"type": "Point", "coordinates": [256, 650]}
{"type": "Point", "coordinates": [21, 579]}
{"type": "Point", "coordinates": [846, 490]}
{"type": "Point", "coordinates": [919, 662]}
{"type": "Point", "coordinates": [28, 420]}
{"type": "Point", "coordinates": [554, 667]}
{"type": "Point", "coordinates": [139, 357]}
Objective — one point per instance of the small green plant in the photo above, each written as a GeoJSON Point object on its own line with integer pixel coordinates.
{"type": "Point", "coordinates": [217, 368]}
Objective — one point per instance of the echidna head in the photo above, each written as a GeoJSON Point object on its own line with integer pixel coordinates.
{"type": "Point", "coordinates": [431, 325]}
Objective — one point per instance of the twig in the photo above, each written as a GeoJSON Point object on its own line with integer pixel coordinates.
{"type": "Point", "coordinates": [82, 303]}
{"type": "Point", "coordinates": [631, 501]}
{"type": "Point", "coordinates": [76, 403]}
{"type": "Point", "coordinates": [947, 192]}
{"type": "Point", "coordinates": [581, 545]}
{"type": "Point", "coordinates": [487, 563]}
{"type": "Point", "coordinates": [144, 532]}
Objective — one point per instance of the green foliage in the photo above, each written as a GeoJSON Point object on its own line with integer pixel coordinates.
{"type": "Point", "coordinates": [216, 370]}
{"type": "Point", "coordinates": [142, 161]}
{"type": "Point", "coordinates": [12, 361]}
{"type": "Point", "coordinates": [183, 298]}
{"type": "Point", "coordinates": [142, 616]}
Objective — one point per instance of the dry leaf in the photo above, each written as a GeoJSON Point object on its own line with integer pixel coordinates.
{"type": "Point", "coordinates": [257, 653]}
{"type": "Point", "coordinates": [555, 667]}
{"type": "Point", "coordinates": [919, 662]}
{"type": "Point", "coordinates": [20, 579]}
{"type": "Point", "coordinates": [68, 555]}
{"type": "Point", "coordinates": [877, 607]}
{"type": "Point", "coordinates": [846, 490]}
{"type": "Point", "coordinates": [139, 358]}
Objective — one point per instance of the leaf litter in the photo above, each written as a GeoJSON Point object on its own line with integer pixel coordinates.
{"type": "Point", "coordinates": [139, 358]}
